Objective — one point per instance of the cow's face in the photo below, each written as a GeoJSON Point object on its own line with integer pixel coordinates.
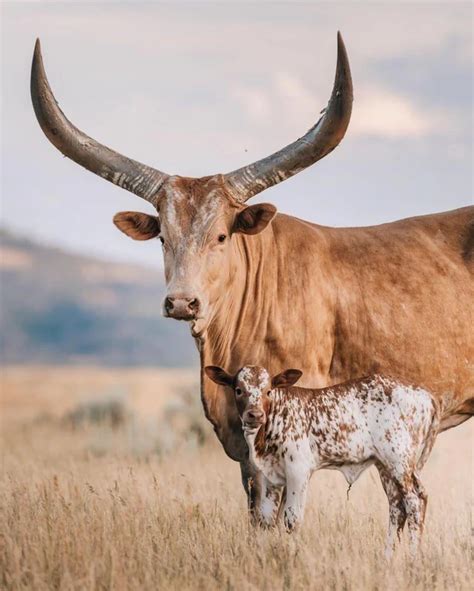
{"type": "Point", "coordinates": [197, 222]}
{"type": "Point", "coordinates": [252, 387]}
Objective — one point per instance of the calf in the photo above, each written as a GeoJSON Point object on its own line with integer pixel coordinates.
{"type": "Point", "coordinates": [291, 432]}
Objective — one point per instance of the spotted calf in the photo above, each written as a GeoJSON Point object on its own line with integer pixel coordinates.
{"type": "Point", "coordinates": [291, 432]}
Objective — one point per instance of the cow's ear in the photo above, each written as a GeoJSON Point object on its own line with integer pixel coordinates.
{"type": "Point", "coordinates": [255, 218]}
{"type": "Point", "coordinates": [219, 376]}
{"type": "Point", "coordinates": [286, 378]}
{"type": "Point", "coordinates": [139, 226]}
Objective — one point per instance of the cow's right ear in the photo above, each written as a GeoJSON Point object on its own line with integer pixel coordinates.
{"type": "Point", "coordinates": [139, 226]}
{"type": "Point", "coordinates": [219, 376]}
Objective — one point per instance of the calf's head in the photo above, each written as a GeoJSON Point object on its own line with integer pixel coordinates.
{"type": "Point", "coordinates": [252, 386]}
{"type": "Point", "coordinates": [196, 218]}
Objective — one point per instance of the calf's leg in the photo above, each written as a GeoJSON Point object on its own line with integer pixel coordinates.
{"type": "Point", "coordinates": [295, 501]}
{"type": "Point", "coordinates": [397, 509]}
{"type": "Point", "coordinates": [270, 503]}
{"type": "Point", "coordinates": [415, 499]}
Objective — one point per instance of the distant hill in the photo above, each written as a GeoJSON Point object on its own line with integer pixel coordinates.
{"type": "Point", "coordinates": [58, 307]}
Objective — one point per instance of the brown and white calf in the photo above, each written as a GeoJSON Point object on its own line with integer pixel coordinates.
{"type": "Point", "coordinates": [291, 432]}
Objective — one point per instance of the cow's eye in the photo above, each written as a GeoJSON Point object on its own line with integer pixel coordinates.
{"type": "Point", "coordinates": [238, 392]}
{"type": "Point", "coordinates": [162, 240]}
{"type": "Point", "coordinates": [222, 237]}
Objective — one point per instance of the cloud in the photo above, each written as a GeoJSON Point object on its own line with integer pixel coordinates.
{"type": "Point", "coordinates": [383, 113]}
{"type": "Point", "coordinates": [378, 112]}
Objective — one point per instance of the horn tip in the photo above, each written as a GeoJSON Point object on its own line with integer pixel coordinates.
{"type": "Point", "coordinates": [341, 47]}
{"type": "Point", "coordinates": [343, 71]}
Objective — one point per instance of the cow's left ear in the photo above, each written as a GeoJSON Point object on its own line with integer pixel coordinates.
{"type": "Point", "coordinates": [254, 218]}
{"type": "Point", "coordinates": [286, 378]}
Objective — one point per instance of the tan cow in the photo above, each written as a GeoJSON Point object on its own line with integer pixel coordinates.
{"type": "Point", "coordinates": [264, 288]}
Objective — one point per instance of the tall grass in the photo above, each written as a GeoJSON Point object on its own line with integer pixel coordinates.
{"type": "Point", "coordinates": [130, 517]}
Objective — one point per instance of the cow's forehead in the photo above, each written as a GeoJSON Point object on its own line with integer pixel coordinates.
{"type": "Point", "coordinates": [189, 207]}
{"type": "Point", "coordinates": [253, 377]}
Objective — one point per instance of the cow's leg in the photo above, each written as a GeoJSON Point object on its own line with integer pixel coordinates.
{"type": "Point", "coordinates": [397, 510]}
{"type": "Point", "coordinates": [252, 483]}
{"type": "Point", "coordinates": [295, 502]}
{"type": "Point", "coordinates": [270, 503]}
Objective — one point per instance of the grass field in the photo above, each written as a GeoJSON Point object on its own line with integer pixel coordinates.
{"type": "Point", "coordinates": [91, 500]}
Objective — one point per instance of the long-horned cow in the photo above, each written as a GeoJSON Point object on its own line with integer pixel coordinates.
{"type": "Point", "coordinates": [265, 288]}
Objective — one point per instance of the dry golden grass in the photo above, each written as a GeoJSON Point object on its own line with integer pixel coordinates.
{"type": "Point", "coordinates": [121, 515]}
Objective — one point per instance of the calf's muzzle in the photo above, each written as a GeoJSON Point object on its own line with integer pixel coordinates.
{"type": "Point", "coordinates": [254, 416]}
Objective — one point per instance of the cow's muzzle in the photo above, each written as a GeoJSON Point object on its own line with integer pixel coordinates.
{"type": "Point", "coordinates": [181, 308]}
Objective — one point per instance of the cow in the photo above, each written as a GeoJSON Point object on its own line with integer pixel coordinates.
{"type": "Point", "coordinates": [292, 432]}
{"type": "Point", "coordinates": [340, 302]}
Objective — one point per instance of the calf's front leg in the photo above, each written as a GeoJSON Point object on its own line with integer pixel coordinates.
{"type": "Point", "coordinates": [271, 495]}
{"type": "Point", "coordinates": [295, 502]}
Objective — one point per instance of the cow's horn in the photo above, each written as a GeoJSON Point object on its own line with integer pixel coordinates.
{"type": "Point", "coordinates": [321, 139]}
{"type": "Point", "coordinates": [138, 178]}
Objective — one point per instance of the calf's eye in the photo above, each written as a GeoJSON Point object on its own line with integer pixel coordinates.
{"type": "Point", "coordinates": [222, 238]}
{"type": "Point", "coordinates": [238, 392]}
{"type": "Point", "coordinates": [162, 240]}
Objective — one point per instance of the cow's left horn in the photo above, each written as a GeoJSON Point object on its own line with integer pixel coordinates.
{"type": "Point", "coordinates": [321, 139]}
{"type": "Point", "coordinates": [129, 174]}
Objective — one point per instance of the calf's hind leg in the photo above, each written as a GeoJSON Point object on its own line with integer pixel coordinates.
{"type": "Point", "coordinates": [397, 509]}
{"type": "Point", "coordinates": [415, 499]}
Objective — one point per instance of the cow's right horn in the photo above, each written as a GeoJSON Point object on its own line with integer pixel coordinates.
{"type": "Point", "coordinates": [321, 139]}
{"type": "Point", "coordinates": [129, 174]}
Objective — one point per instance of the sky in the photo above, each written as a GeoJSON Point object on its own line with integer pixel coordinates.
{"type": "Point", "coordinates": [199, 88]}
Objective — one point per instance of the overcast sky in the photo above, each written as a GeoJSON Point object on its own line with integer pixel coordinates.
{"type": "Point", "coordinates": [198, 88]}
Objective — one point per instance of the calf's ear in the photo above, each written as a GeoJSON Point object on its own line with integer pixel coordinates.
{"type": "Point", "coordinates": [286, 378]}
{"type": "Point", "coordinates": [255, 218]}
{"type": "Point", "coordinates": [219, 376]}
{"type": "Point", "coordinates": [139, 226]}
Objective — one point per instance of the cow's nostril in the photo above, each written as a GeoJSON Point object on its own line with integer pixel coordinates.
{"type": "Point", "coordinates": [194, 305]}
{"type": "Point", "coordinates": [169, 303]}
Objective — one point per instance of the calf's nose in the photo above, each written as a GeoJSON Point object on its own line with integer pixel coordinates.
{"type": "Point", "coordinates": [254, 415]}
{"type": "Point", "coordinates": [181, 308]}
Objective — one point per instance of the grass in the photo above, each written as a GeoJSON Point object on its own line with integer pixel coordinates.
{"type": "Point", "coordinates": [98, 507]}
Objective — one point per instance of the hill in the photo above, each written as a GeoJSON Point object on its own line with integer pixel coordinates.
{"type": "Point", "coordinates": [59, 307]}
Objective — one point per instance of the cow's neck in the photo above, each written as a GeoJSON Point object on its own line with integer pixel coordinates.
{"type": "Point", "coordinates": [235, 335]}
{"type": "Point", "coordinates": [236, 332]}
{"type": "Point", "coordinates": [256, 321]}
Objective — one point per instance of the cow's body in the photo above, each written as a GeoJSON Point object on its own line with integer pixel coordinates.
{"type": "Point", "coordinates": [292, 432]}
{"type": "Point", "coordinates": [341, 303]}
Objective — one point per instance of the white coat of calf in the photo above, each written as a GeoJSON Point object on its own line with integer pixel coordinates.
{"type": "Point", "coordinates": [291, 432]}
